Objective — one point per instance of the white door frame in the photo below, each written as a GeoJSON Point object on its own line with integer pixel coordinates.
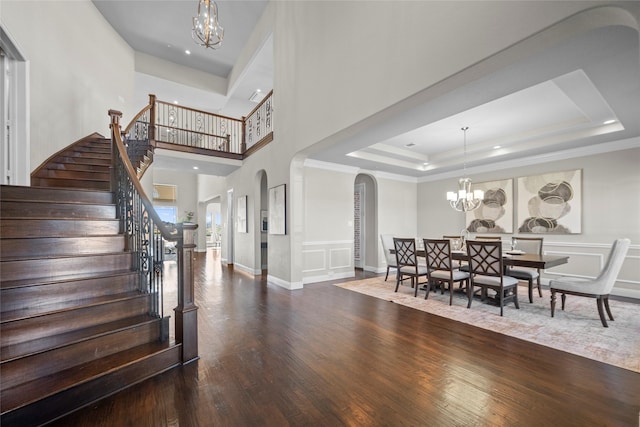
{"type": "Point", "coordinates": [360, 262]}
{"type": "Point", "coordinates": [14, 113]}
{"type": "Point", "coordinates": [230, 227]}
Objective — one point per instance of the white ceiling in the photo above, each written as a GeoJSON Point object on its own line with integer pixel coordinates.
{"type": "Point", "coordinates": [162, 29]}
{"type": "Point", "coordinates": [554, 101]}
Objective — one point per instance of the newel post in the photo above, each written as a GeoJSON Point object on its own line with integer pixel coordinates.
{"type": "Point", "coordinates": [186, 311]}
{"type": "Point", "coordinates": [152, 120]}
{"type": "Point", "coordinates": [115, 127]}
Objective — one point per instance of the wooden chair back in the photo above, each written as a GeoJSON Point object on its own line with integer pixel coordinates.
{"type": "Point", "coordinates": [438, 253]}
{"type": "Point", "coordinates": [485, 258]}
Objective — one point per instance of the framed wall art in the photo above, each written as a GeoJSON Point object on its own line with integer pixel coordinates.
{"type": "Point", "coordinates": [242, 214]}
{"type": "Point", "coordinates": [277, 210]}
{"type": "Point", "coordinates": [550, 203]}
{"type": "Point", "coordinates": [495, 214]}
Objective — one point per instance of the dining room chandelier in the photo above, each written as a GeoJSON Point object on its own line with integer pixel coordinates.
{"type": "Point", "coordinates": [206, 30]}
{"type": "Point", "coordinates": [465, 199]}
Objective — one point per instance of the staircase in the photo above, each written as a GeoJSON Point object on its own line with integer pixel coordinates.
{"type": "Point", "coordinates": [74, 326]}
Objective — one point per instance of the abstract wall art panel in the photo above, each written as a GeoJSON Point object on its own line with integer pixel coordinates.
{"type": "Point", "coordinates": [550, 203]}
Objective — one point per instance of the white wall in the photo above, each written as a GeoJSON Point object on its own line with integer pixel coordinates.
{"type": "Point", "coordinates": [610, 210]}
{"type": "Point", "coordinates": [186, 191]}
{"type": "Point", "coordinates": [330, 81]}
{"type": "Point", "coordinates": [327, 251]}
{"type": "Point", "coordinates": [79, 69]}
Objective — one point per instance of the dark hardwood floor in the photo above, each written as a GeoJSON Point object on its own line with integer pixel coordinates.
{"type": "Point", "coordinates": [330, 357]}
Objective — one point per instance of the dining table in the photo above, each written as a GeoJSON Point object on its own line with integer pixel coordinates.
{"type": "Point", "coordinates": [518, 259]}
{"type": "Point", "coordinates": [512, 259]}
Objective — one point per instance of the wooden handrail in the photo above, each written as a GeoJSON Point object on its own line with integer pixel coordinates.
{"type": "Point", "coordinates": [265, 99]}
{"type": "Point", "coordinates": [149, 248]}
{"type": "Point", "coordinates": [119, 145]}
{"type": "Point", "coordinates": [135, 119]}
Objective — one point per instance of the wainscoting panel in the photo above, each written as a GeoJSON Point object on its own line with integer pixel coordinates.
{"type": "Point", "coordinates": [327, 260]}
{"type": "Point", "coordinates": [314, 260]}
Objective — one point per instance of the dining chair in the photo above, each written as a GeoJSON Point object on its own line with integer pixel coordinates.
{"type": "Point", "coordinates": [529, 245]}
{"type": "Point", "coordinates": [487, 272]}
{"type": "Point", "coordinates": [407, 263]}
{"type": "Point", "coordinates": [488, 238]}
{"type": "Point", "coordinates": [390, 259]}
{"type": "Point", "coordinates": [598, 288]}
{"type": "Point", "coordinates": [441, 268]}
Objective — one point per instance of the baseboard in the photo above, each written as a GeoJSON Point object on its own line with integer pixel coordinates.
{"type": "Point", "coordinates": [327, 277]}
{"type": "Point", "coordinates": [283, 283]}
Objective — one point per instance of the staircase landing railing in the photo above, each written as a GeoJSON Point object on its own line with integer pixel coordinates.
{"type": "Point", "coordinates": [170, 126]}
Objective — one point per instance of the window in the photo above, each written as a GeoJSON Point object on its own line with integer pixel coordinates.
{"type": "Point", "coordinates": [167, 213]}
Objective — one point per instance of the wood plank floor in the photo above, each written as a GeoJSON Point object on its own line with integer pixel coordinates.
{"type": "Point", "coordinates": [326, 356]}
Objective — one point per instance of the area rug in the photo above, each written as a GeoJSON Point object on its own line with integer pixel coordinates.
{"type": "Point", "coordinates": [576, 330]}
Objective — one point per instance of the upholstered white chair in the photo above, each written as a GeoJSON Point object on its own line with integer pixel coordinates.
{"type": "Point", "coordinates": [390, 259]}
{"type": "Point", "coordinates": [598, 288]}
{"type": "Point", "coordinates": [529, 245]}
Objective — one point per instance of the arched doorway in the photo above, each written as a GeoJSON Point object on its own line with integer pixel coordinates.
{"type": "Point", "coordinates": [262, 225]}
{"type": "Point", "coordinates": [365, 223]}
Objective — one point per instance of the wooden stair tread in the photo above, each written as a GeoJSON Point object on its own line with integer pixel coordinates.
{"type": "Point", "coordinates": [63, 278]}
{"type": "Point", "coordinates": [43, 310]}
{"type": "Point", "coordinates": [26, 393]}
{"type": "Point", "coordinates": [27, 348]}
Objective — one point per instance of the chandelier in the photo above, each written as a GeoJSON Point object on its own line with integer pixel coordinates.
{"type": "Point", "coordinates": [206, 30]}
{"type": "Point", "coordinates": [465, 199]}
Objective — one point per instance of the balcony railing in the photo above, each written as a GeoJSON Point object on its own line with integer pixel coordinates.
{"type": "Point", "coordinates": [187, 129]}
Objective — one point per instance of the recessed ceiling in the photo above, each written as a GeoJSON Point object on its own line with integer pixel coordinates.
{"type": "Point", "coordinates": [550, 102]}
{"type": "Point", "coordinates": [530, 118]}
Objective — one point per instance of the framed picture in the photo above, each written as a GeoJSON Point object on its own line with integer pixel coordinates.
{"type": "Point", "coordinates": [495, 214]}
{"type": "Point", "coordinates": [264, 221]}
{"type": "Point", "coordinates": [550, 203]}
{"type": "Point", "coordinates": [242, 214]}
{"type": "Point", "coordinates": [277, 210]}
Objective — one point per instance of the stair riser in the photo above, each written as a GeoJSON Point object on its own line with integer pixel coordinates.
{"type": "Point", "coordinates": [86, 155]}
{"type": "Point", "coordinates": [25, 228]}
{"type": "Point", "coordinates": [78, 167]}
{"type": "Point", "coordinates": [74, 174]}
{"type": "Point", "coordinates": [42, 364]}
{"type": "Point", "coordinates": [65, 402]}
{"type": "Point", "coordinates": [60, 322]}
{"type": "Point", "coordinates": [60, 246]}
{"type": "Point", "coordinates": [83, 161]}
{"type": "Point", "coordinates": [55, 267]}
{"type": "Point", "coordinates": [70, 183]}
{"type": "Point", "coordinates": [60, 292]}
{"type": "Point", "coordinates": [33, 194]}
{"type": "Point", "coordinates": [93, 148]}
{"type": "Point", "coordinates": [11, 209]}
